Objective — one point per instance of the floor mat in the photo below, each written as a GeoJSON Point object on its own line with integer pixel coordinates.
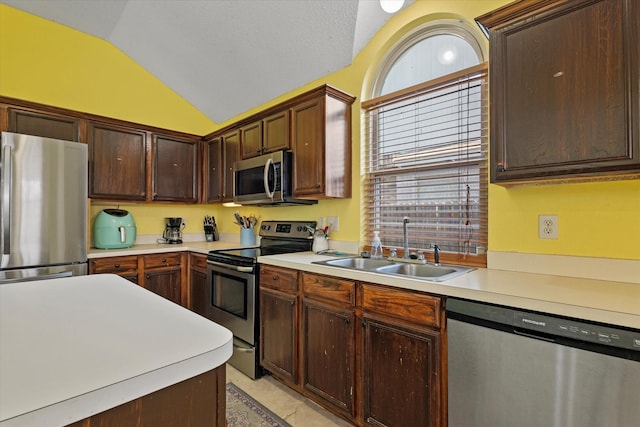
{"type": "Point", "coordinates": [244, 411]}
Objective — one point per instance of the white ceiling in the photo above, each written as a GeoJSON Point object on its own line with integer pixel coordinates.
{"type": "Point", "coordinates": [225, 56]}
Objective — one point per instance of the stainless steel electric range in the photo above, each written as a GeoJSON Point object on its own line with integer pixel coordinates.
{"type": "Point", "coordinates": [233, 283]}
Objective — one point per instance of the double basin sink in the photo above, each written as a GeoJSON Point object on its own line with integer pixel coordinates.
{"type": "Point", "coordinates": [435, 273]}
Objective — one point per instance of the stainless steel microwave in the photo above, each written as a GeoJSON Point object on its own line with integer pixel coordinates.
{"type": "Point", "coordinates": [265, 180]}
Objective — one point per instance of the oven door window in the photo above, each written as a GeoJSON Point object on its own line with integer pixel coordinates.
{"type": "Point", "coordinates": [229, 293]}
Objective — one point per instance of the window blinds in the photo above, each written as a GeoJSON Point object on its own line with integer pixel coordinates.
{"type": "Point", "coordinates": [426, 159]}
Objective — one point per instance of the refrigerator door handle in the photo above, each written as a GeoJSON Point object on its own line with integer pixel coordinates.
{"type": "Point", "coordinates": [7, 166]}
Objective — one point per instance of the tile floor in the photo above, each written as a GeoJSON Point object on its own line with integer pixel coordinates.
{"type": "Point", "coordinates": [284, 402]}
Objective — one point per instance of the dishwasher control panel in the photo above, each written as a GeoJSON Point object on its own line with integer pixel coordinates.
{"type": "Point", "coordinates": [548, 324]}
{"type": "Point", "coordinates": [579, 330]}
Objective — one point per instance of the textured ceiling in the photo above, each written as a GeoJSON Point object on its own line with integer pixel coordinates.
{"type": "Point", "coordinates": [225, 56]}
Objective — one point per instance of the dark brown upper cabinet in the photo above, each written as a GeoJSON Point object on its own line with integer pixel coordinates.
{"type": "Point", "coordinates": [127, 163]}
{"type": "Point", "coordinates": [213, 170]}
{"type": "Point", "coordinates": [564, 89]}
{"type": "Point", "coordinates": [117, 162]}
{"type": "Point", "coordinates": [321, 144]}
{"type": "Point", "coordinates": [230, 148]}
{"type": "Point", "coordinates": [175, 169]}
{"type": "Point", "coordinates": [315, 126]}
{"type": "Point", "coordinates": [220, 153]}
{"type": "Point", "coordinates": [44, 124]}
{"type": "Point", "coordinates": [266, 135]}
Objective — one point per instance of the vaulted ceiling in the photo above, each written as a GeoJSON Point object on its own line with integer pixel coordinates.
{"type": "Point", "coordinates": [225, 56]}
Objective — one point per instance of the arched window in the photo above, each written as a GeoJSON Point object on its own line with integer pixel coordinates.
{"type": "Point", "coordinates": [426, 145]}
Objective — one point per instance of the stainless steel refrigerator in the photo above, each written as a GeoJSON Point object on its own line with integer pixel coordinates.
{"type": "Point", "coordinates": [43, 208]}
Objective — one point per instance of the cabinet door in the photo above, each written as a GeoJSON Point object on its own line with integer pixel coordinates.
{"type": "Point", "coordinates": [175, 172]}
{"type": "Point", "coordinates": [231, 143]}
{"type": "Point", "coordinates": [124, 266]}
{"type": "Point", "coordinates": [165, 282]}
{"type": "Point", "coordinates": [117, 162]}
{"type": "Point", "coordinates": [49, 125]}
{"type": "Point", "coordinates": [562, 99]}
{"type": "Point", "coordinates": [328, 361]}
{"type": "Point", "coordinates": [279, 334]}
{"type": "Point", "coordinates": [400, 374]}
{"type": "Point", "coordinates": [198, 288]}
{"type": "Point", "coordinates": [132, 277]}
{"type": "Point", "coordinates": [308, 137]}
{"type": "Point", "coordinates": [251, 140]}
{"type": "Point", "coordinates": [276, 132]}
{"type": "Point", "coordinates": [199, 292]}
{"type": "Point", "coordinates": [213, 170]}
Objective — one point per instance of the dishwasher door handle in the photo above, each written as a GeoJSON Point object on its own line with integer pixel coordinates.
{"type": "Point", "coordinates": [528, 334]}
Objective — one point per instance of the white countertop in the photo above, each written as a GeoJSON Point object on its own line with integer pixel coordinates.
{"type": "Point", "coordinates": [155, 248]}
{"type": "Point", "coordinates": [74, 347]}
{"type": "Point", "coordinates": [614, 303]}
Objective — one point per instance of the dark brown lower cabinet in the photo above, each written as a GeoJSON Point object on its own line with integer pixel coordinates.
{"type": "Point", "coordinates": [199, 295]}
{"type": "Point", "coordinates": [329, 354]}
{"type": "Point", "coordinates": [198, 401]}
{"type": "Point", "coordinates": [124, 266]}
{"type": "Point", "coordinates": [369, 353]}
{"type": "Point", "coordinates": [160, 273]}
{"type": "Point", "coordinates": [164, 282]}
{"type": "Point", "coordinates": [400, 374]}
{"type": "Point", "coordinates": [279, 334]}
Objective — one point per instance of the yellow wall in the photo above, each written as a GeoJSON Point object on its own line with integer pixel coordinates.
{"type": "Point", "coordinates": [48, 63]}
{"type": "Point", "coordinates": [52, 64]}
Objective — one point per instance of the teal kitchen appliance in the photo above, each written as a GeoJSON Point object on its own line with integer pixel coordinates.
{"type": "Point", "coordinates": [114, 229]}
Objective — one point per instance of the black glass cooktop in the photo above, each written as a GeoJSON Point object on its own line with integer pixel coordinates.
{"type": "Point", "coordinates": [277, 237]}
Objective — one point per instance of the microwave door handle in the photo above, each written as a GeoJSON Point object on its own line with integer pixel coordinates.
{"type": "Point", "coordinates": [267, 190]}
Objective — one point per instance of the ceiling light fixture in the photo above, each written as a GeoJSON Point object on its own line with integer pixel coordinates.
{"type": "Point", "coordinates": [391, 6]}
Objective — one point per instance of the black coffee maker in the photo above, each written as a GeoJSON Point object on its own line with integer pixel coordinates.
{"type": "Point", "coordinates": [173, 231]}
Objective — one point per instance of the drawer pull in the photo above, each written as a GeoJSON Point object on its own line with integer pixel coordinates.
{"type": "Point", "coordinates": [275, 277]}
{"type": "Point", "coordinates": [117, 266]}
{"type": "Point", "coordinates": [164, 260]}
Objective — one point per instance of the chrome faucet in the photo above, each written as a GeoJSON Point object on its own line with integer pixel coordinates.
{"type": "Point", "coordinates": [405, 240]}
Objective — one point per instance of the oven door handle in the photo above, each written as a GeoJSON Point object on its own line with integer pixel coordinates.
{"type": "Point", "coordinates": [239, 268]}
{"type": "Point", "coordinates": [243, 349]}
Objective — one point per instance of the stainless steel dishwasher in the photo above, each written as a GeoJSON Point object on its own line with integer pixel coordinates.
{"type": "Point", "coordinates": [511, 367]}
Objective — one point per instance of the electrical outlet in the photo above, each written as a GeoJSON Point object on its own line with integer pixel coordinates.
{"type": "Point", "coordinates": [320, 222]}
{"type": "Point", "coordinates": [184, 223]}
{"type": "Point", "coordinates": [333, 223]}
{"type": "Point", "coordinates": [548, 226]}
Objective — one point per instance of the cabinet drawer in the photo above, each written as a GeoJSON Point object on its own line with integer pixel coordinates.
{"type": "Point", "coordinates": [329, 288]}
{"type": "Point", "coordinates": [402, 304]}
{"type": "Point", "coordinates": [198, 262]}
{"type": "Point", "coordinates": [162, 260]}
{"type": "Point", "coordinates": [118, 265]}
{"type": "Point", "coordinates": [282, 279]}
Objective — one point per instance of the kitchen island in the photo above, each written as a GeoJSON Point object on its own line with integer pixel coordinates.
{"type": "Point", "coordinates": [75, 347]}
